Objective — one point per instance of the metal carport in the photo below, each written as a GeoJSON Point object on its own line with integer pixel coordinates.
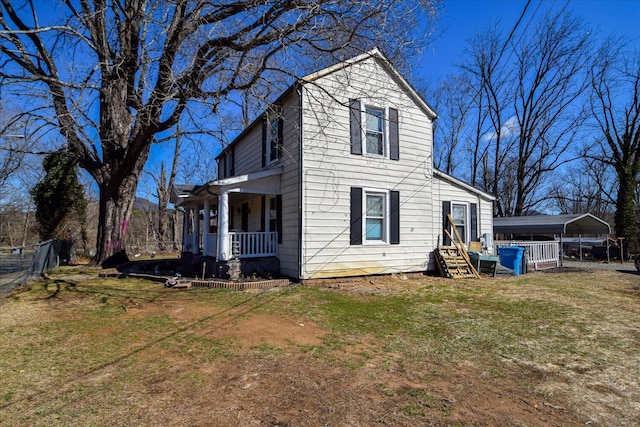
{"type": "Point", "coordinates": [572, 224]}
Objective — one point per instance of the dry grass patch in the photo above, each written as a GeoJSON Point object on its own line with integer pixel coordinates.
{"type": "Point", "coordinates": [541, 349]}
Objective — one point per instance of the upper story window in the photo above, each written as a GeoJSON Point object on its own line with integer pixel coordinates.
{"type": "Point", "coordinates": [226, 166]}
{"type": "Point", "coordinates": [273, 142]}
{"type": "Point", "coordinates": [374, 130]}
{"type": "Point", "coordinates": [377, 127]}
{"type": "Point", "coordinates": [272, 135]}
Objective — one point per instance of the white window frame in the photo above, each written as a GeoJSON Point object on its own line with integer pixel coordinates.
{"type": "Point", "coordinates": [385, 128]}
{"type": "Point", "coordinates": [467, 221]}
{"type": "Point", "coordinates": [386, 218]}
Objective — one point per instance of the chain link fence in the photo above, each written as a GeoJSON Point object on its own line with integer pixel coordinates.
{"type": "Point", "coordinates": [17, 265]}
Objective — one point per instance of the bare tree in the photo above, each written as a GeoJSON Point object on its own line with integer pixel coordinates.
{"type": "Point", "coordinates": [547, 104]}
{"type": "Point", "coordinates": [452, 99]}
{"type": "Point", "coordinates": [111, 75]}
{"type": "Point", "coordinates": [15, 144]}
{"type": "Point", "coordinates": [164, 189]}
{"type": "Point", "coordinates": [492, 140]}
{"type": "Point", "coordinates": [528, 107]}
{"type": "Point", "coordinates": [585, 186]}
{"type": "Point", "coordinates": [615, 104]}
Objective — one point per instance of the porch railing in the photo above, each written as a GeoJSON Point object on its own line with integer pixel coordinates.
{"type": "Point", "coordinates": [538, 252]}
{"type": "Point", "coordinates": [242, 244]}
{"type": "Point", "coordinates": [249, 244]}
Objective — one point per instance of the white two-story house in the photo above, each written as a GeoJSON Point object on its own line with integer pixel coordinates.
{"type": "Point", "coordinates": [335, 179]}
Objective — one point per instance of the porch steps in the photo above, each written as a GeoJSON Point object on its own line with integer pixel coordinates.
{"type": "Point", "coordinates": [452, 264]}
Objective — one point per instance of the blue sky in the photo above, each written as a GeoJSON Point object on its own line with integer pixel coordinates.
{"type": "Point", "coordinates": [461, 19]}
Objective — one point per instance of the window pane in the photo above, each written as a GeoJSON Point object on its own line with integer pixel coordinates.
{"type": "Point", "coordinates": [374, 119]}
{"type": "Point", "coordinates": [459, 214]}
{"type": "Point", "coordinates": [374, 205]}
{"type": "Point", "coordinates": [375, 130]}
{"type": "Point", "coordinates": [374, 143]}
{"type": "Point", "coordinates": [374, 229]}
{"type": "Point", "coordinates": [374, 213]}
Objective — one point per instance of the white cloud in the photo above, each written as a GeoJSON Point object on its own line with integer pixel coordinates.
{"type": "Point", "coordinates": [508, 129]}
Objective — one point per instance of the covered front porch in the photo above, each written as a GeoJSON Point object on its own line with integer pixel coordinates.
{"type": "Point", "coordinates": [233, 221]}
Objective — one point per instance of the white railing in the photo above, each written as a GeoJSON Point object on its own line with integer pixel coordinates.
{"type": "Point", "coordinates": [248, 244]}
{"type": "Point", "coordinates": [243, 244]}
{"type": "Point", "coordinates": [538, 252]}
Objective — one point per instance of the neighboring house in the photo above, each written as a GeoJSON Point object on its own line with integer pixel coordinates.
{"type": "Point", "coordinates": [335, 179]}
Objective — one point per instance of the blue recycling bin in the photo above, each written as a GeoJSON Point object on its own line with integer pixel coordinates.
{"type": "Point", "coordinates": [511, 257]}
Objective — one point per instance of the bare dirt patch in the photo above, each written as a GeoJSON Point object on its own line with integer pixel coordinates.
{"type": "Point", "coordinates": [195, 362]}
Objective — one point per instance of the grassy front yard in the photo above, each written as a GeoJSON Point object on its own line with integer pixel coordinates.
{"type": "Point", "coordinates": [540, 349]}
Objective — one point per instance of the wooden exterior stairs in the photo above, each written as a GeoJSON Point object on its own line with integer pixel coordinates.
{"type": "Point", "coordinates": [452, 264]}
{"type": "Point", "coordinates": [453, 261]}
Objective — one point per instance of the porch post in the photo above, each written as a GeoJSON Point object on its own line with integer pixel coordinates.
{"type": "Point", "coordinates": [185, 229]}
{"type": "Point", "coordinates": [206, 227]}
{"type": "Point", "coordinates": [196, 230]}
{"type": "Point", "coordinates": [223, 227]}
{"type": "Point", "coordinates": [580, 244]}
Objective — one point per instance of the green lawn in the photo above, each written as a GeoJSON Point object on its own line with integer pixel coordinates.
{"type": "Point", "coordinates": [539, 349]}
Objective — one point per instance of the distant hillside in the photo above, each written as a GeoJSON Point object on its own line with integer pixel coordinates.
{"type": "Point", "coordinates": [145, 205]}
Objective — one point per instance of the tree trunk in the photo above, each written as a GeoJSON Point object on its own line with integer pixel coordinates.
{"type": "Point", "coordinates": [164, 193]}
{"type": "Point", "coordinates": [26, 225]}
{"type": "Point", "coordinates": [163, 217]}
{"type": "Point", "coordinates": [625, 216]}
{"type": "Point", "coordinates": [115, 207]}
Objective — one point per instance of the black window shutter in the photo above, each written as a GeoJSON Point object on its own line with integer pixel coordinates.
{"type": "Point", "coordinates": [474, 221]}
{"type": "Point", "coordinates": [356, 216]}
{"type": "Point", "coordinates": [394, 135]}
{"type": "Point", "coordinates": [263, 213]}
{"type": "Point", "coordinates": [279, 217]}
{"type": "Point", "coordinates": [446, 209]}
{"type": "Point", "coordinates": [355, 126]}
{"type": "Point", "coordinates": [232, 161]}
{"type": "Point", "coordinates": [395, 217]}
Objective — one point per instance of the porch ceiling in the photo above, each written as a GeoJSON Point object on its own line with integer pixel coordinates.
{"type": "Point", "coordinates": [261, 182]}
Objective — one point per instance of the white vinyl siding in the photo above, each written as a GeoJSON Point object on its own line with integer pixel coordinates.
{"type": "Point", "coordinates": [330, 171]}
{"type": "Point", "coordinates": [446, 190]}
{"type": "Point", "coordinates": [248, 156]}
{"type": "Point", "coordinates": [289, 249]}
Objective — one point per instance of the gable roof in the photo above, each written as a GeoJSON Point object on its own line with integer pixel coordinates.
{"type": "Point", "coordinates": [455, 181]}
{"type": "Point", "coordinates": [373, 53]}
{"type": "Point", "coordinates": [377, 55]}
{"type": "Point", "coordinates": [551, 224]}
